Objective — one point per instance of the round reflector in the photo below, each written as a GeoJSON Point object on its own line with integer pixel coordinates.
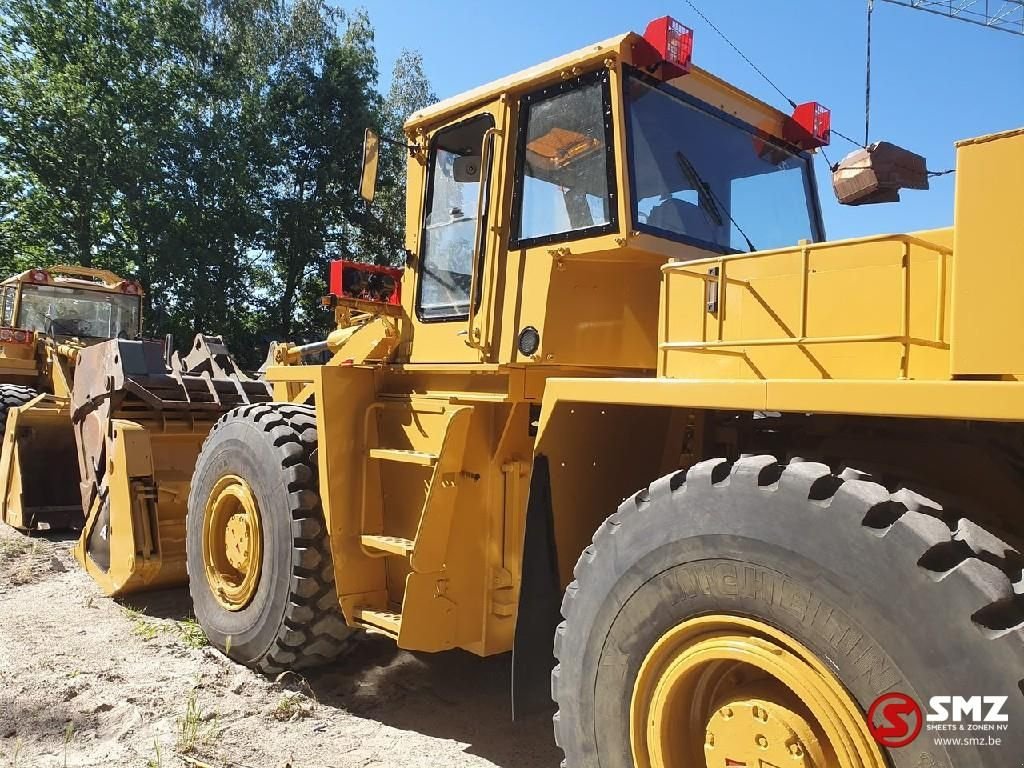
{"type": "Point", "coordinates": [529, 341]}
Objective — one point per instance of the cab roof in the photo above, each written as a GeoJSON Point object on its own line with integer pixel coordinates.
{"type": "Point", "coordinates": [65, 276]}
{"type": "Point", "coordinates": [698, 82]}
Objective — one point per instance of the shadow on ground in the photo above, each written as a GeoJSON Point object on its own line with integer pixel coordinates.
{"type": "Point", "coordinates": [161, 603]}
{"type": "Point", "coordinates": [453, 695]}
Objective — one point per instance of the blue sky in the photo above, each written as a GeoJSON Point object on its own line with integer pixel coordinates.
{"type": "Point", "coordinates": [934, 80]}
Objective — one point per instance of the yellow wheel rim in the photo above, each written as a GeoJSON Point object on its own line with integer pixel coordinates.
{"type": "Point", "coordinates": [232, 542]}
{"type": "Point", "coordinates": [723, 691]}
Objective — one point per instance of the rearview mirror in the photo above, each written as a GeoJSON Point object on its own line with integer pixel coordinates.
{"type": "Point", "coordinates": [371, 152]}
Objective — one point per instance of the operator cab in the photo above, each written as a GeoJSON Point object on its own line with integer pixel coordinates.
{"type": "Point", "coordinates": [71, 302]}
{"type": "Point", "coordinates": [542, 207]}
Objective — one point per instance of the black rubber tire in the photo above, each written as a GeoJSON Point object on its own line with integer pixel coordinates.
{"type": "Point", "coordinates": [888, 595]}
{"type": "Point", "coordinates": [293, 621]}
{"type": "Point", "coordinates": [12, 396]}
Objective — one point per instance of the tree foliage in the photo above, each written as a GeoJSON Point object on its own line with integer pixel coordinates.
{"type": "Point", "coordinates": [210, 148]}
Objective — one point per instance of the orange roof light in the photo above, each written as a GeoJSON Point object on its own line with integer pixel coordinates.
{"type": "Point", "coordinates": [130, 287]}
{"type": "Point", "coordinates": [810, 126]}
{"type": "Point", "coordinates": [668, 49]}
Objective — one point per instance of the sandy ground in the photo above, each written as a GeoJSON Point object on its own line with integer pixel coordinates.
{"type": "Point", "coordinates": [89, 681]}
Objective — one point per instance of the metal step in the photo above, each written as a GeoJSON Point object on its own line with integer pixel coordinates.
{"type": "Point", "coordinates": [385, 621]}
{"type": "Point", "coordinates": [392, 545]}
{"type": "Point", "coordinates": [421, 458]}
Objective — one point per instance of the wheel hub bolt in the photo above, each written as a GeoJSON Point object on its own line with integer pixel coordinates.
{"type": "Point", "coordinates": [762, 741]}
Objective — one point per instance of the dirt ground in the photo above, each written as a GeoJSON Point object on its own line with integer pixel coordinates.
{"type": "Point", "coordinates": [89, 681]}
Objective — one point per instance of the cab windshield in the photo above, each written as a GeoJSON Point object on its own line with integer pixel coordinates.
{"type": "Point", "coordinates": [711, 180]}
{"type": "Point", "coordinates": [64, 311]}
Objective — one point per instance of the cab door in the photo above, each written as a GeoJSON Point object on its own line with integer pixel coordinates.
{"type": "Point", "coordinates": [458, 246]}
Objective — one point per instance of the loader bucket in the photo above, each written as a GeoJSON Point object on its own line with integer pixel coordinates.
{"type": "Point", "coordinates": [139, 425]}
{"type": "Point", "coordinates": [38, 457]}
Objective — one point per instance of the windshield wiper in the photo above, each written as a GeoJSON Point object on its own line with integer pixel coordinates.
{"type": "Point", "coordinates": [708, 201]}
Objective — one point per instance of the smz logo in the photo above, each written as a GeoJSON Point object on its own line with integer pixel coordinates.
{"type": "Point", "coordinates": [975, 709]}
{"type": "Point", "coordinates": [895, 720]}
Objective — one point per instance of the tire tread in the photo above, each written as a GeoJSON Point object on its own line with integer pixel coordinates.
{"type": "Point", "coordinates": [312, 630]}
{"type": "Point", "coordinates": [948, 548]}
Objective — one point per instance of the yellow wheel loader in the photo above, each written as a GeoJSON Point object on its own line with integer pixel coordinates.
{"type": "Point", "coordinates": [70, 463]}
{"type": "Point", "coordinates": [46, 317]}
{"type": "Point", "coordinates": [757, 492]}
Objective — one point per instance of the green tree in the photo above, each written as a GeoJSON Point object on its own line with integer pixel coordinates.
{"type": "Point", "coordinates": [320, 103]}
{"type": "Point", "coordinates": [84, 89]}
{"type": "Point", "coordinates": [208, 147]}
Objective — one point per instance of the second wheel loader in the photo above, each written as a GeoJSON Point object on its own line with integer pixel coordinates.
{"type": "Point", "coordinates": [48, 316]}
{"type": "Point", "coordinates": [72, 369]}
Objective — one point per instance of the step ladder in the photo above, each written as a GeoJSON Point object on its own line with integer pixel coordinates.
{"type": "Point", "coordinates": [442, 467]}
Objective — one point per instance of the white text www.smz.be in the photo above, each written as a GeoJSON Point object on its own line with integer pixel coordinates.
{"type": "Point", "coordinates": [968, 741]}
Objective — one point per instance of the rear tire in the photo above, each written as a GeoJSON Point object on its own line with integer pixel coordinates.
{"type": "Point", "coordinates": [292, 620]}
{"type": "Point", "coordinates": [884, 594]}
{"type": "Point", "coordinates": [13, 396]}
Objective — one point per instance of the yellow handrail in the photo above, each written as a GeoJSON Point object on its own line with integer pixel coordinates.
{"type": "Point", "coordinates": [718, 277]}
{"type": "Point", "coordinates": [479, 238]}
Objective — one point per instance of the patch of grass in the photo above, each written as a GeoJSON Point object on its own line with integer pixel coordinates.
{"type": "Point", "coordinates": [12, 548]}
{"type": "Point", "coordinates": [189, 725]}
{"type": "Point", "coordinates": [157, 761]}
{"type": "Point", "coordinates": [18, 745]}
{"type": "Point", "coordinates": [195, 727]}
{"type": "Point", "coordinates": [147, 630]}
{"type": "Point", "coordinates": [293, 706]}
{"type": "Point", "coordinates": [69, 734]}
{"type": "Point", "coordinates": [192, 634]}
{"type": "Point", "coordinates": [141, 625]}
{"type": "Point", "coordinates": [21, 552]}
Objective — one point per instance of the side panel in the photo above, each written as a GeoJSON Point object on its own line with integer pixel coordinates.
{"type": "Point", "coordinates": [599, 454]}
{"type": "Point", "coordinates": [989, 272]}
{"type": "Point", "coordinates": [591, 307]}
{"type": "Point", "coordinates": [872, 308]}
{"type": "Point", "coordinates": [394, 466]}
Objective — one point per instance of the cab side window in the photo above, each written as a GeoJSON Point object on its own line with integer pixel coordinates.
{"type": "Point", "coordinates": [565, 186]}
{"type": "Point", "coordinates": [8, 306]}
{"type": "Point", "coordinates": [451, 220]}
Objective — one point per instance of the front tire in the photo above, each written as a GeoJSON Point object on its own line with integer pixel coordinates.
{"type": "Point", "coordinates": [259, 559]}
{"type": "Point", "coordinates": [874, 587]}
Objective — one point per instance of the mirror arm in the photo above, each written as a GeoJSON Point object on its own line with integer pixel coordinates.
{"type": "Point", "coordinates": [413, 148]}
